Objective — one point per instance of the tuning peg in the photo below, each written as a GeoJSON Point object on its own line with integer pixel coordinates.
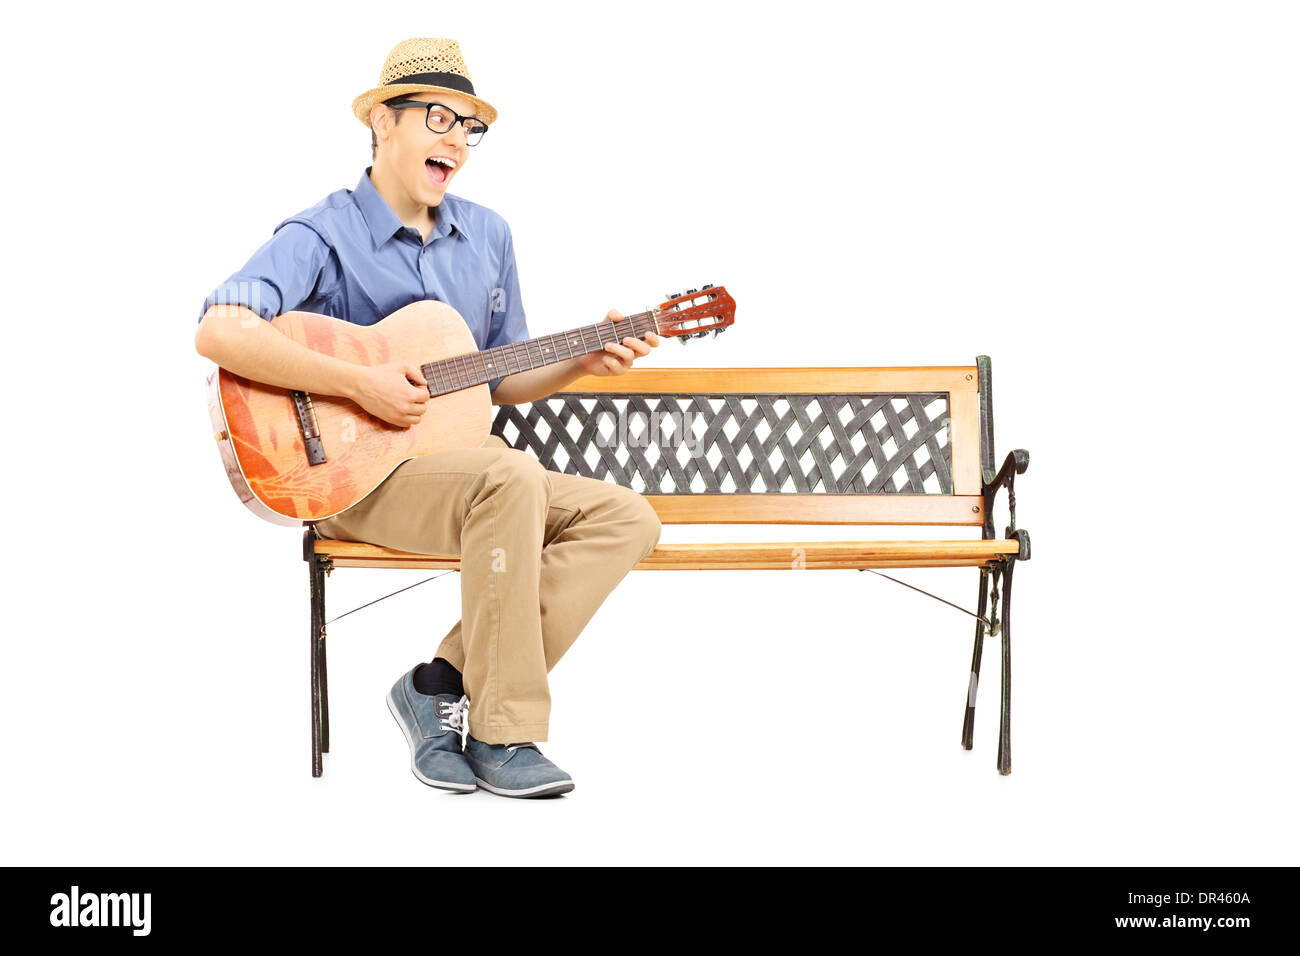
{"type": "Point", "coordinates": [705, 288]}
{"type": "Point", "coordinates": [672, 295]}
{"type": "Point", "coordinates": [716, 331]}
{"type": "Point", "coordinates": [682, 338]}
{"type": "Point", "coordinates": [692, 291]}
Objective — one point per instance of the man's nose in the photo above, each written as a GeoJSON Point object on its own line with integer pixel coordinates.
{"type": "Point", "coordinates": [457, 135]}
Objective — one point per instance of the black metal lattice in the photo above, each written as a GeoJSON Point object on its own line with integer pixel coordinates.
{"type": "Point", "coordinates": [741, 443]}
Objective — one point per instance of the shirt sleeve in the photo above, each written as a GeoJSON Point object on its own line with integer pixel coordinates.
{"type": "Point", "coordinates": [508, 321]}
{"type": "Point", "coordinates": [279, 277]}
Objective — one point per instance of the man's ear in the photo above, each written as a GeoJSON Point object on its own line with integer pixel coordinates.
{"type": "Point", "coordinates": [381, 121]}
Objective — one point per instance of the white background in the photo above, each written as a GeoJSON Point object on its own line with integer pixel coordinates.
{"type": "Point", "coordinates": [1101, 196]}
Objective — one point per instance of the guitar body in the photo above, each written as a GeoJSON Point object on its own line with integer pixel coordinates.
{"type": "Point", "coordinates": [262, 444]}
{"type": "Point", "coordinates": [294, 458]}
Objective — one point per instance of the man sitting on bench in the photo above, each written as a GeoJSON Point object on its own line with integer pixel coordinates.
{"type": "Point", "coordinates": [540, 550]}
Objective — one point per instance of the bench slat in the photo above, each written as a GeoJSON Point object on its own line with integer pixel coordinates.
{"type": "Point", "coordinates": [819, 509]}
{"type": "Point", "coordinates": [789, 381]}
{"type": "Point", "coordinates": [771, 555]}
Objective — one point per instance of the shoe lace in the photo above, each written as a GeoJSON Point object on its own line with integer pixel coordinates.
{"type": "Point", "coordinates": [453, 715]}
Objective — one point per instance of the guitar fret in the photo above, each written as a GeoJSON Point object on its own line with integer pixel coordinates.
{"type": "Point", "coordinates": [474, 368]}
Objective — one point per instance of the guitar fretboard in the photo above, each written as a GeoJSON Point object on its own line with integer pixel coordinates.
{"type": "Point", "coordinates": [476, 368]}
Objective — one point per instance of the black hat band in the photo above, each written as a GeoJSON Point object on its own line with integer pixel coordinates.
{"type": "Point", "coordinates": [452, 81]}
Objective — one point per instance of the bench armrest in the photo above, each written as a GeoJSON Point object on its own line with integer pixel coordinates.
{"type": "Point", "coordinates": [1016, 463]}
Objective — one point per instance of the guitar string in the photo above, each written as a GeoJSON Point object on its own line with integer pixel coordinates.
{"type": "Point", "coordinates": [452, 374]}
{"type": "Point", "coordinates": [467, 362]}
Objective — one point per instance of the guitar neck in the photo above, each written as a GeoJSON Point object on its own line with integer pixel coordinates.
{"type": "Point", "coordinates": [476, 368]}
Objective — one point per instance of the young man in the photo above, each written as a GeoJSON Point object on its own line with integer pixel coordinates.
{"type": "Point", "coordinates": [540, 550]}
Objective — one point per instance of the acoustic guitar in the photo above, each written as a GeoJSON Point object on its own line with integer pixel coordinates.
{"type": "Point", "coordinates": [295, 458]}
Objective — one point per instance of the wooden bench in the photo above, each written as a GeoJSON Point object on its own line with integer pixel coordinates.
{"type": "Point", "coordinates": [846, 446]}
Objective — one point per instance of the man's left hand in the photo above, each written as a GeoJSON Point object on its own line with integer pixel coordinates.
{"type": "Point", "coordinates": [615, 359]}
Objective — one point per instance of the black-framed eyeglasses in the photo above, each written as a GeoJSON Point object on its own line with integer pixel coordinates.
{"type": "Point", "coordinates": [440, 119]}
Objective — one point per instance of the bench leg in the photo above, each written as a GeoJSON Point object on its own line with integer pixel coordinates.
{"type": "Point", "coordinates": [324, 699]}
{"type": "Point", "coordinates": [1004, 736]}
{"type": "Point", "coordinates": [318, 719]}
{"type": "Point", "coordinates": [968, 725]}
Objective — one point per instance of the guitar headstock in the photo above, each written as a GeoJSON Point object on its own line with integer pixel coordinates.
{"type": "Point", "coordinates": [695, 312]}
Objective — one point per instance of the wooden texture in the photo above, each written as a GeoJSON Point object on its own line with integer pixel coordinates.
{"type": "Point", "coordinates": [783, 381]}
{"type": "Point", "coordinates": [964, 439]}
{"type": "Point", "coordinates": [818, 509]}
{"type": "Point", "coordinates": [778, 555]}
{"type": "Point", "coordinates": [361, 450]}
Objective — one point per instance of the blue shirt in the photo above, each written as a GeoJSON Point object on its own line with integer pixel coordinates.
{"type": "Point", "coordinates": [350, 257]}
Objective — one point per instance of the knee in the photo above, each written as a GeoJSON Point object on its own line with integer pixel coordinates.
{"type": "Point", "coordinates": [517, 473]}
{"type": "Point", "coordinates": [516, 467]}
{"type": "Point", "coordinates": [645, 523]}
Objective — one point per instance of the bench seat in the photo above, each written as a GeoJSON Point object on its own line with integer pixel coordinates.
{"type": "Point", "coordinates": [768, 555]}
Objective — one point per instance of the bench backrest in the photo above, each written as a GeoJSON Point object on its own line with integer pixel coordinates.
{"type": "Point", "coordinates": [775, 445]}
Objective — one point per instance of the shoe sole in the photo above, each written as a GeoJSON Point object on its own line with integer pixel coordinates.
{"type": "Point", "coordinates": [448, 785]}
{"type": "Point", "coordinates": [541, 790]}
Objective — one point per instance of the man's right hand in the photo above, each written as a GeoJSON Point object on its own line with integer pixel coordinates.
{"type": "Point", "coordinates": [387, 392]}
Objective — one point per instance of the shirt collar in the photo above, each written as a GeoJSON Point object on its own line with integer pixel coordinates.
{"type": "Point", "coordinates": [383, 222]}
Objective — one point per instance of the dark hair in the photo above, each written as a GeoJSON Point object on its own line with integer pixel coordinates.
{"type": "Point", "coordinates": [374, 143]}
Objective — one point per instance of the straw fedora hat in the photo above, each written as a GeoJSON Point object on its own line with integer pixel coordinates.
{"type": "Point", "coordinates": [423, 65]}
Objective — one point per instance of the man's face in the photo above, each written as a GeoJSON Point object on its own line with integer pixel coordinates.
{"type": "Point", "coordinates": [424, 161]}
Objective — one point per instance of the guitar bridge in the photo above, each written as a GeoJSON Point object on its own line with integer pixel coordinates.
{"type": "Point", "coordinates": [306, 411]}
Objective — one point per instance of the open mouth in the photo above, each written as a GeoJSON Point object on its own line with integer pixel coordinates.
{"type": "Point", "coordinates": [439, 169]}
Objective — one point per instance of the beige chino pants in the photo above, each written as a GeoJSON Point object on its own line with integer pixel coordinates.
{"type": "Point", "coordinates": [540, 551]}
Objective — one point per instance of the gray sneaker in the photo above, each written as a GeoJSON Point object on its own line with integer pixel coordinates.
{"type": "Point", "coordinates": [515, 770]}
{"type": "Point", "coordinates": [433, 727]}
